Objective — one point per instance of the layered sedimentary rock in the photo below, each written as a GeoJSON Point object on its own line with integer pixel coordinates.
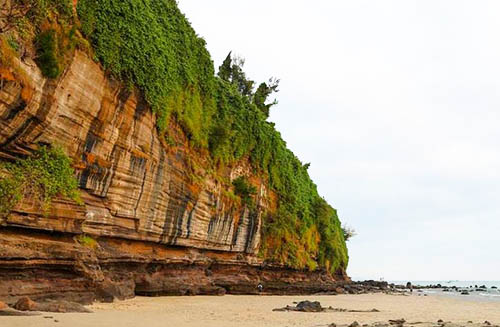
{"type": "Point", "coordinates": [133, 186]}
{"type": "Point", "coordinates": [59, 266]}
{"type": "Point", "coordinates": [147, 225]}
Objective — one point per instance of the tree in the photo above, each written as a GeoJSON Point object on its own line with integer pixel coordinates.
{"type": "Point", "coordinates": [239, 78]}
{"type": "Point", "coordinates": [348, 232]}
{"type": "Point", "coordinates": [225, 69]}
{"type": "Point", "coordinates": [231, 71]}
{"type": "Point", "coordinates": [263, 92]}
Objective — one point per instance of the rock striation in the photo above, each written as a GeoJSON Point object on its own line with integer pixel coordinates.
{"type": "Point", "coordinates": [147, 226]}
{"type": "Point", "coordinates": [134, 186]}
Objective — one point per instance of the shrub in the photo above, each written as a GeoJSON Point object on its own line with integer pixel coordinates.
{"type": "Point", "coordinates": [42, 177]}
{"type": "Point", "coordinates": [244, 190]}
{"type": "Point", "coordinates": [9, 191]}
{"type": "Point", "coordinates": [48, 54]}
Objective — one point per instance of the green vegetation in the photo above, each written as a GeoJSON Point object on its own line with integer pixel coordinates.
{"type": "Point", "coordinates": [38, 11]}
{"type": "Point", "coordinates": [232, 72]}
{"type": "Point", "coordinates": [150, 45]}
{"type": "Point", "coordinates": [42, 177]}
{"type": "Point", "coordinates": [13, 43]}
{"type": "Point", "coordinates": [47, 50]}
{"type": "Point", "coordinates": [50, 25]}
{"type": "Point", "coordinates": [87, 241]}
{"type": "Point", "coordinates": [244, 190]}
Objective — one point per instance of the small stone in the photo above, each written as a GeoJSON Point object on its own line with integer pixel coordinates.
{"type": "Point", "coordinates": [397, 321]}
{"type": "Point", "coordinates": [332, 325]}
{"type": "Point", "coordinates": [354, 324]}
{"type": "Point", "coordinates": [487, 323]}
{"type": "Point", "coordinates": [275, 310]}
{"type": "Point", "coordinates": [440, 321]}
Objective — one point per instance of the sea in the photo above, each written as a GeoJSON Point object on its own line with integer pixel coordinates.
{"type": "Point", "coordinates": [476, 293]}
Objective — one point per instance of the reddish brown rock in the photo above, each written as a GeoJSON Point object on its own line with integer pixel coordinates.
{"type": "Point", "coordinates": [3, 305]}
{"type": "Point", "coordinates": [154, 230]}
{"type": "Point", "coordinates": [56, 267]}
{"type": "Point", "coordinates": [25, 304]}
{"type": "Point", "coordinates": [134, 186]}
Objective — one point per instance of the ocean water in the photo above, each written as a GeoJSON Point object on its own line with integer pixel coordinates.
{"type": "Point", "coordinates": [475, 294]}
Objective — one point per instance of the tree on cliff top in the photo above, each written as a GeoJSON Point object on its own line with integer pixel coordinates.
{"type": "Point", "coordinates": [263, 92]}
{"type": "Point", "coordinates": [348, 232]}
{"type": "Point", "coordinates": [232, 71]}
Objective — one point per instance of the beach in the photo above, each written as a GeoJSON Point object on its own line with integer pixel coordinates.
{"type": "Point", "coordinates": [252, 311]}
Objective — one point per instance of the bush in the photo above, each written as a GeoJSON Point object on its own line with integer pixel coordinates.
{"type": "Point", "coordinates": [244, 190]}
{"type": "Point", "coordinates": [151, 44]}
{"type": "Point", "coordinates": [9, 191]}
{"type": "Point", "coordinates": [42, 177]}
{"type": "Point", "coordinates": [48, 54]}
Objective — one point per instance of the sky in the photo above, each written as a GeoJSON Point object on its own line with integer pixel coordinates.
{"type": "Point", "coordinates": [396, 105]}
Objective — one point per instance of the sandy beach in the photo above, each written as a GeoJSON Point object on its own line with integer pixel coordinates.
{"type": "Point", "coordinates": [252, 311]}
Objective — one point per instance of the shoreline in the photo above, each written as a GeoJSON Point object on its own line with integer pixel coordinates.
{"type": "Point", "coordinates": [254, 310]}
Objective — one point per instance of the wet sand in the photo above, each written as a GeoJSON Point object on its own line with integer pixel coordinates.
{"type": "Point", "coordinates": [252, 311]}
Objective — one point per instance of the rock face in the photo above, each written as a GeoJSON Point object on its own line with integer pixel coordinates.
{"type": "Point", "coordinates": [55, 266]}
{"type": "Point", "coordinates": [134, 186]}
{"type": "Point", "coordinates": [150, 227]}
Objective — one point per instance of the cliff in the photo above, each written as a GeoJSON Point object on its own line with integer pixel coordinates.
{"type": "Point", "coordinates": [158, 211]}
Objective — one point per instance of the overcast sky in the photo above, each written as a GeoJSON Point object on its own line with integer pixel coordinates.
{"type": "Point", "coordinates": [397, 106]}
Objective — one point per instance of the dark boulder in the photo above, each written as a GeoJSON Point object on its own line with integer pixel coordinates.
{"type": "Point", "coordinates": [308, 306]}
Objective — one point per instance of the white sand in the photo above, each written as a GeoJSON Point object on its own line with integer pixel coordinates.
{"type": "Point", "coordinates": [252, 311]}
